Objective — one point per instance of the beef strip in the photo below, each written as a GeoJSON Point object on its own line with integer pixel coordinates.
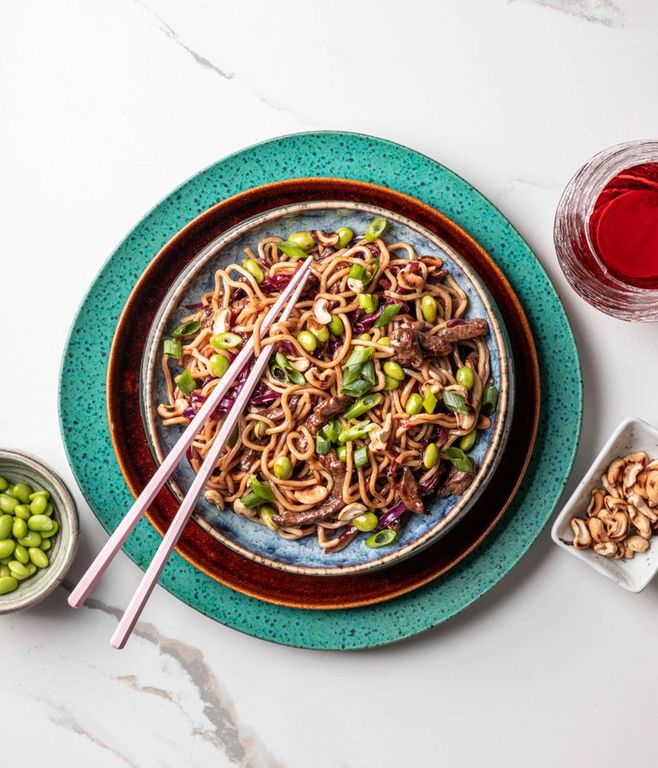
{"type": "Point", "coordinates": [413, 345]}
{"type": "Point", "coordinates": [332, 406]}
{"type": "Point", "coordinates": [248, 458]}
{"type": "Point", "coordinates": [332, 504]}
{"type": "Point", "coordinates": [456, 483]}
{"type": "Point", "coordinates": [404, 342]}
{"type": "Point", "coordinates": [409, 493]}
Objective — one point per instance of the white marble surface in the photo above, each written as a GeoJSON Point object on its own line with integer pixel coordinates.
{"type": "Point", "coordinates": [104, 107]}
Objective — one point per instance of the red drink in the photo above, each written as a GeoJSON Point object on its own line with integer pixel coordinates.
{"type": "Point", "coordinates": [623, 226]}
{"type": "Point", "coordinates": [606, 231]}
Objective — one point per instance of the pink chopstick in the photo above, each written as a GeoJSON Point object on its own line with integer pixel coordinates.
{"type": "Point", "coordinates": [287, 299]}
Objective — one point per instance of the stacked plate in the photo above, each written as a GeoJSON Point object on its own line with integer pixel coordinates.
{"type": "Point", "coordinates": [355, 593]}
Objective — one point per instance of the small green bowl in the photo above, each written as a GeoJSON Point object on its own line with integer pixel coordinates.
{"type": "Point", "coordinates": [20, 467]}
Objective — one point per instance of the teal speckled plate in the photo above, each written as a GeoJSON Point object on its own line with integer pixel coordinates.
{"type": "Point", "coordinates": [82, 388]}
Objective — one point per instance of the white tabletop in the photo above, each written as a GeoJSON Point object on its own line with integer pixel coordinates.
{"type": "Point", "coordinates": [104, 107]}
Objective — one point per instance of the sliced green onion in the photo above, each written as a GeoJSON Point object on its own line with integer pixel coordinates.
{"type": "Point", "coordinates": [266, 514]}
{"type": "Point", "coordinates": [345, 234]}
{"type": "Point", "coordinates": [489, 400]}
{"type": "Point", "coordinates": [429, 402]}
{"type": "Point", "coordinates": [368, 302]}
{"type": "Point", "coordinates": [358, 356]}
{"type": "Point", "coordinates": [356, 431]}
{"type": "Point", "coordinates": [375, 230]}
{"type": "Point", "coordinates": [252, 499]}
{"type": "Point", "coordinates": [381, 539]}
{"type": "Point", "coordinates": [291, 250]}
{"type": "Point", "coordinates": [360, 457]}
{"type": "Point", "coordinates": [186, 329]}
{"type": "Point", "coordinates": [358, 388]}
{"type": "Point", "coordinates": [173, 348]}
{"type": "Point", "coordinates": [368, 372]}
{"type": "Point", "coordinates": [226, 340]}
{"type": "Point", "coordinates": [322, 445]}
{"type": "Point", "coordinates": [454, 401]}
{"type": "Point", "coordinates": [331, 430]}
{"type": "Point", "coordinates": [458, 459]}
{"type": "Point", "coordinates": [357, 279]}
{"type": "Point", "coordinates": [253, 267]}
{"type": "Point", "coordinates": [287, 370]}
{"type": "Point", "coordinates": [262, 490]}
{"type": "Point", "coordinates": [362, 406]}
{"type": "Point", "coordinates": [186, 382]}
{"type": "Point", "coordinates": [388, 313]}
{"type": "Point", "coordinates": [303, 239]}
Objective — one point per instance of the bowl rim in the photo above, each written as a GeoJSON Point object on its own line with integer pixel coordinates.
{"type": "Point", "coordinates": [56, 572]}
{"type": "Point", "coordinates": [494, 451]}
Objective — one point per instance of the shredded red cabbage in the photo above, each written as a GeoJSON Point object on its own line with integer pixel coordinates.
{"type": "Point", "coordinates": [275, 283]}
{"type": "Point", "coordinates": [265, 397]}
{"type": "Point", "coordinates": [190, 413]}
{"type": "Point", "coordinates": [224, 406]}
{"type": "Point", "coordinates": [373, 248]}
{"type": "Point", "coordinates": [286, 346]}
{"type": "Point", "coordinates": [391, 516]}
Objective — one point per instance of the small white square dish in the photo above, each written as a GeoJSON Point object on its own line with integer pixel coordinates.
{"type": "Point", "coordinates": [631, 436]}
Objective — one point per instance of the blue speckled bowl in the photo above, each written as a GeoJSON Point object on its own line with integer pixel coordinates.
{"type": "Point", "coordinates": [258, 542]}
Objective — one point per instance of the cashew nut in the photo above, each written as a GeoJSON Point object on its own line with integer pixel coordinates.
{"type": "Point", "coordinates": [321, 311]}
{"type": "Point", "coordinates": [596, 503]}
{"type": "Point", "coordinates": [582, 538]}
{"type": "Point", "coordinates": [311, 495]}
{"type": "Point", "coordinates": [606, 549]}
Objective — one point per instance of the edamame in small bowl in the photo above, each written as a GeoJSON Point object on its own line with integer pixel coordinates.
{"type": "Point", "coordinates": [38, 530]}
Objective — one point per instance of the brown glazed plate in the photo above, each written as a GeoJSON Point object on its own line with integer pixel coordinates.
{"type": "Point", "coordinates": [135, 442]}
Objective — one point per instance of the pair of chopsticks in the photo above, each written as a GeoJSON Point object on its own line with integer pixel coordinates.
{"type": "Point", "coordinates": [280, 311]}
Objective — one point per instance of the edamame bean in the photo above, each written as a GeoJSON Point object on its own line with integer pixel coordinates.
{"type": "Point", "coordinates": [19, 528]}
{"type": "Point", "coordinates": [391, 384]}
{"type": "Point", "coordinates": [385, 340]}
{"type": "Point", "coordinates": [6, 522]}
{"type": "Point", "coordinates": [7, 584]}
{"type": "Point", "coordinates": [321, 332]}
{"type": "Point", "coordinates": [38, 557]}
{"type": "Point", "coordinates": [336, 326]}
{"type": "Point", "coordinates": [49, 534]}
{"type": "Point", "coordinates": [394, 370]}
{"type": "Point", "coordinates": [20, 554]}
{"type": "Point", "coordinates": [39, 523]}
{"type": "Point", "coordinates": [4, 571]}
{"type": "Point", "coordinates": [431, 456]}
{"type": "Point", "coordinates": [341, 452]}
{"type": "Point", "coordinates": [260, 429]}
{"type": "Point", "coordinates": [38, 505]}
{"type": "Point", "coordinates": [414, 405]}
{"type": "Point", "coordinates": [49, 510]}
{"type": "Point", "coordinates": [219, 365]}
{"type": "Point", "coordinates": [307, 340]}
{"type": "Point", "coordinates": [23, 511]}
{"type": "Point", "coordinates": [45, 545]}
{"type": "Point", "coordinates": [7, 547]}
{"type": "Point", "coordinates": [3, 484]}
{"type": "Point", "coordinates": [8, 503]}
{"type": "Point", "coordinates": [466, 442]}
{"type": "Point", "coordinates": [428, 308]}
{"type": "Point", "coordinates": [18, 570]}
{"type": "Point", "coordinates": [31, 539]}
{"type": "Point", "coordinates": [22, 492]}
{"type": "Point", "coordinates": [39, 493]}
{"type": "Point", "coordinates": [282, 468]}
{"type": "Point", "coordinates": [465, 376]}
{"type": "Point", "coordinates": [366, 522]}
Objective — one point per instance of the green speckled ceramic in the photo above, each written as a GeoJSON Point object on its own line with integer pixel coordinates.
{"type": "Point", "coordinates": [82, 388]}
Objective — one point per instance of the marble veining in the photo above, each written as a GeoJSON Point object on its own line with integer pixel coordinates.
{"type": "Point", "coordinates": [604, 12]}
{"type": "Point", "coordinates": [224, 731]}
